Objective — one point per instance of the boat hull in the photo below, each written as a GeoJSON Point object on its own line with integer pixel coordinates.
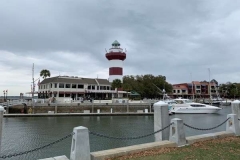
{"type": "Point", "coordinates": [195, 110]}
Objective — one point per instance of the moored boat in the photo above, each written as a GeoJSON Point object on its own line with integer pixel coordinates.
{"type": "Point", "coordinates": [187, 106]}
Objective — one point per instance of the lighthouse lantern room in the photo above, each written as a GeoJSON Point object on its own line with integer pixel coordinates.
{"type": "Point", "coordinates": [115, 56]}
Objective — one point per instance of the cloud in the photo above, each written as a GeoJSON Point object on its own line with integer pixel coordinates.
{"type": "Point", "coordinates": [173, 39]}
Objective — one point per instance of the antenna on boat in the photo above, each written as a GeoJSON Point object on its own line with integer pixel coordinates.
{"type": "Point", "coordinates": [162, 91]}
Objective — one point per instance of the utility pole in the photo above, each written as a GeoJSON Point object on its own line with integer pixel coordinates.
{"type": "Point", "coordinates": [33, 87]}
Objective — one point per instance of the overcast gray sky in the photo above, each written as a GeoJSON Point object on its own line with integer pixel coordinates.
{"type": "Point", "coordinates": [173, 38]}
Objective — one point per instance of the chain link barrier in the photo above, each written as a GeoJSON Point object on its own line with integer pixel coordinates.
{"type": "Point", "coordinates": [105, 136]}
{"type": "Point", "coordinates": [128, 138]}
{"type": "Point", "coordinates": [36, 149]}
{"type": "Point", "coordinates": [205, 129]}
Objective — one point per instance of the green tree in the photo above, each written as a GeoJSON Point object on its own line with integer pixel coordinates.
{"type": "Point", "coordinates": [148, 86]}
{"type": "Point", "coordinates": [45, 73]}
{"type": "Point", "coordinates": [116, 84]}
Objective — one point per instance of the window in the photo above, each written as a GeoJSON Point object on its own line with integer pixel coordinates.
{"type": "Point", "coordinates": [89, 87]}
{"type": "Point", "coordinates": [197, 105]}
{"type": "Point", "coordinates": [67, 86]}
{"type": "Point", "coordinates": [55, 85]}
{"type": "Point", "coordinates": [97, 87]}
{"type": "Point", "coordinates": [67, 95]}
{"type": "Point", "coordinates": [93, 87]}
{"type": "Point", "coordinates": [108, 88]}
{"type": "Point", "coordinates": [104, 87]}
{"type": "Point", "coordinates": [80, 86]}
{"type": "Point", "coordinates": [61, 85]}
{"type": "Point", "coordinates": [74, 86]}
{"type": "Point", "coordinates": [178, 91]}
{"type": "Point", "coordinates": [61, 95]}
{"type": "Point", "coordinates": [101, 87]}
{"type": "Point", "coordinates": [51, 86]}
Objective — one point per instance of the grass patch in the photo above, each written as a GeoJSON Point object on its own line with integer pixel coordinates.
{"type": "Point", "coordinates": [222, 148]}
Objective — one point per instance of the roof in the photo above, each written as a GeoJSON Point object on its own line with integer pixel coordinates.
{"type": "Point", "coordinates": [116, 43]}
{"type": "Point", "coordinates": [134, 93]}
{"type": "Point", "coordinates": [179, 87]}
{"type": "Point", "coordinates": [67, 79]}
{"type": "Point", "coordinates": [196, 83]}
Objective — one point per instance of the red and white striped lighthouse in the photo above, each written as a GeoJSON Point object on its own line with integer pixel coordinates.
{"type": "Point", "coordinates": [115, 56]}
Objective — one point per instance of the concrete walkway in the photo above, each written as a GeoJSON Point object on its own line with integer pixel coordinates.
{"type": "Point", "coordinates": [76, 114]}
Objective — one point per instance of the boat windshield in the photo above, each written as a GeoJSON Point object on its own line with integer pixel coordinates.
{"type": "Point", "coordinates": [188, 101]}
{"type": "Point", "coordinates": [182, 101]}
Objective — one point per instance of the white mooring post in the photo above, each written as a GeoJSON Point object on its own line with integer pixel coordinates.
{"type": "Point", "coordinates": [236, 108]}
{"type": "Point", "coordinates": [1, 120]}
{"type": "Point", "coordinates": [233, 124]}
{"type": "Point", "coordinates": [177, 133]}
{"type": "Point", "coordinates": [161, 120]}
{"type": "Point", "coordinates": [80, 149]}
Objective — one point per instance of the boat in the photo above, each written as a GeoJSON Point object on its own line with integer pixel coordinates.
{"type": "Point", "coordinates": [226, 102]}
{"type": "Point", "coordinates": [169, 102]}
{"type": "Point", "coordinates": [187, 106]}
{"type": "Point", "coordinates": [215, 101]}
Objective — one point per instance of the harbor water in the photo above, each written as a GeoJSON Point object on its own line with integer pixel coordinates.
{"type": "Point", "coordinates": [26, 133]}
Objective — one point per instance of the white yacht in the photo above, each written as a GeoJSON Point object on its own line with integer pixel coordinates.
{"type": "Point", "coordinates": [170, 103]}
{"type": "Point", "coordinates": [187, 106]}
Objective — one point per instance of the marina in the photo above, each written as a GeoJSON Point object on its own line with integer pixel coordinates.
{"type": "Point", "coordinates": [33, 132]}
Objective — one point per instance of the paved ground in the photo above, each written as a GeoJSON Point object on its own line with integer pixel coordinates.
{"type": "Point", "coordinates": [74, 114]}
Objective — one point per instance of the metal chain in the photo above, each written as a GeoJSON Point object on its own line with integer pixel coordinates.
{"type": "Point", "coordinates": [36, 149]}
{"type": "Point", "coordinates": [129, 138]}
{"type": "Point", "coordinates": [204, 129]}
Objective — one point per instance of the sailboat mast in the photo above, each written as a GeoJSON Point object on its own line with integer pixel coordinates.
{"type": "Point", "coordinates": [192, 87]}
{"type": "Point", "coordinates": [209, 84]}
{"type": "Point", "coordinates": [33, 85]}
{"type": "Point", "coordinates": [210, 96]}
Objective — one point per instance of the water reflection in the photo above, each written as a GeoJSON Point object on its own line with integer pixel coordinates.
{"type": "Point", "coordinates": [21, 134]}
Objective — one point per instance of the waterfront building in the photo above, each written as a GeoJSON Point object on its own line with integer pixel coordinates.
{"type": "Point", "coordinates": [196, 89]}
{"type": "Point", "coordinates": [65, 88]}
{"type": "Point", "coordinates": [115, 56]}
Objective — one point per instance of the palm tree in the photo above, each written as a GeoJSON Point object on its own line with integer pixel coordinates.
{"type": "Point", "coordinates": [45, 73]}
{"type": "Point", "coordinates": [116, 84]}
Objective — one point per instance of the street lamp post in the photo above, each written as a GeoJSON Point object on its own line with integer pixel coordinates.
{"type": "Point", "coordinates": [4, 95]}
{"type": "Point", "coordinates": [236, 91]}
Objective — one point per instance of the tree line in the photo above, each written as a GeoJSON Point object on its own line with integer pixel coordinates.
{"type": "Point", "coordinates": [148, 86]}
{"type": "Point", "coordinates": [230, 90]}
